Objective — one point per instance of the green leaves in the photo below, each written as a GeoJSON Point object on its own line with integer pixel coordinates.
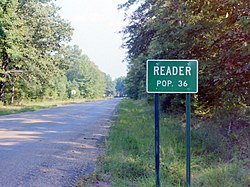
{"type": "Point", "coordinates": [120, 87]}
{"type": "Point", "coordinates": [32, 39]}
{"type": "Point", "coordinates": [85, 75]}
{"type": "Point", "coordinates": [216, 33]}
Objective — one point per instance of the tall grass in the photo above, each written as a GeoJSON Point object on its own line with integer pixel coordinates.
{"type": "Point", "coordinates": [130, 154]}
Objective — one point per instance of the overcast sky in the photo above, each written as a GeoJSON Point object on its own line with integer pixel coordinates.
{"type": "Point", "coordinates": [96, 24]}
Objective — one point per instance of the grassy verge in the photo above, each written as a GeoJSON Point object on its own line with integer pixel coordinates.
{"type": "Point", "coordinates": [130, 152]}
{"type": "Point", "coordinates": [32, 106]}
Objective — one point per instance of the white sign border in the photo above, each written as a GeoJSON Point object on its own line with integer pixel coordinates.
{"type": "Point", "coordinates": [160, 60]}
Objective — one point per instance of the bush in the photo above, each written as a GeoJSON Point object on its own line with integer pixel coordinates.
{"type": "Point", "coordinates": [224, 175]}
{"type": "Point", "coordinates": [208, 139]}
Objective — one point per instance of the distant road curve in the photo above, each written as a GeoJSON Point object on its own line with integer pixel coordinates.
{"type": "Point", "coordinates": [52, 147]}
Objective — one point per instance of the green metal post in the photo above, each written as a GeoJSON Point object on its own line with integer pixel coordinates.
{"type": "Point", "coordinates": [157, 139]}
{"type": "Point", "coordinates": [188, 141]}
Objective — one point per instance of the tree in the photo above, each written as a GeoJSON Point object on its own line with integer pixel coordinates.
{"type": "Point", "coordinates": [222, 35]}
{"type": "Point", "coordinates": [46, 33]}
{"type": "Point", "coordinates": [91, 81]}
{"type": "Point", "coordinates": [120, 87]}
{"type": "Point", "coordinates": [110, 86]}
{"type": "Point", "coordinates": [8, 41]}
{"type": "Point", "coordinates": [32, 37]}
{"type": "Point", "coordinates": [216, 33]}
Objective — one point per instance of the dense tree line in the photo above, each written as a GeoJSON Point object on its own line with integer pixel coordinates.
{"type": "Point", "coordinates": [120, 86]}
{"type": "Point", "coordinates": [36, 62]}
{"type": "Point", "coordinates": [216, 33]}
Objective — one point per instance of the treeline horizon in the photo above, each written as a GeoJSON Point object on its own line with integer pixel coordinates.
{"type": "Point", "coordinates": [216, 33]}
{"type": "Point", "coordinates": [37, 61]}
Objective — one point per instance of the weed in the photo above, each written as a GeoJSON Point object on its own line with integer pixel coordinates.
{"type": "Point", "coordinates": [94, 180]}
{"type": "Point", "coordinates": [224, 175]}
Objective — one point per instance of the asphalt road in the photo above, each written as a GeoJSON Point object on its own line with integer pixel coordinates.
{"type": "Point", "coordinates": [52, 147]}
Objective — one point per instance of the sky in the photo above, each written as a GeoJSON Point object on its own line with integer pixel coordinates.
{"type": "Point", "coordinates": [96, 25]}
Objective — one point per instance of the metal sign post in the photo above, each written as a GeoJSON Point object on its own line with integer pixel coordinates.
{"type": "Point", "coordinates": [188, 141]}
{"type": "Point", "coordinates": [157, 139]}
{"type": "Point", "coordinates": [172, 76]}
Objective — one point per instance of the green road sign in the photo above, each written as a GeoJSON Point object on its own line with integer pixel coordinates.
{"type": "Point", "coordinates": [172, 76]}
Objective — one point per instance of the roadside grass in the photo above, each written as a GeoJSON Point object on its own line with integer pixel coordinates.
{"type": "Point", "coordinates": [130, 152]}
{"type": "Point", "coordinates": [37, 105]}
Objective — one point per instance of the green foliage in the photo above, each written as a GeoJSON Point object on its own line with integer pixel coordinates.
{"type": "Point", "coordinates": [91, 82]}
{"type": "Point", "coordinates": [31, 37]}
{"type": "Point", "coordinates": [120, 86]}
{"type": "Point", "coordinates": [2, 34]}
{"type": "Point", "coordinates": [173, 103]}
{"type": "Point", "coordinates": [216, 33]}
{"type": "Point", "coordinates": [208, 139]}
{"type": "Point", "coordinates": [110, 86]}
{"type": "Point", "coordinates": [136, 79]}
{"type": "Point", "coordinates": [225, 57]}
{"type": "Point", "coordinates": [35, 62]}
{"type": "Point", "coordinates": [227, 175]}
